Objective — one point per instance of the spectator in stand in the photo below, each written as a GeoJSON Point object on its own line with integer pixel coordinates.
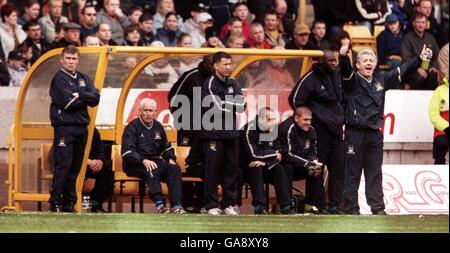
{"type": "Point", "coordinates": [236, 41]}
{"type": "Point", "coordinates": [170, 32]}
{"type": "Point", "coordinates": [212, 38]}
{"type": "Point", "coordinates": [258, 38]}
{"type": "Point", "coordinates": [91, 41]}
{"type": "Point", "coordinates": [89, 24]}
{"type": "Point", "coordinates": [162, 73]}
{"type": "Point", "coordinates": [235, 29]}
{"type": "Point", "coordinates": [71, 36]}
{"type": "Point", "coordinates": [438, 111]}
{"type": "Point", "coordinates": [191, 25]}
{"type": "Point", "coordinates": [425, 7]}
{"type": "Point", "coordinates": [31, 12]}
{"type": "Point", "coordinates": [52, 19]}
{"type": "Point", "coordinates": [70, 9]}
{"type": "Point", "coordinates": [16, 68]}
{"type": "Point", "coordinates": [342, 38]}
{"type": "Point", "coordinates": [104, 35]}
{"type": "Point", "coordinates": [271, 24]}
{"type": "Point", "coordinates": [132, 36]}
{"type": "Point", "coordinates": [240, 10]}
{"type": "Point", "coordinates": [372, 12]}
{"type": "Point", "coordinates": [342, 12]}
{"type": "Point", "coordinates": [205, 21]}
{"type": "Point", "coordinates": [319, 30]}
{"type": "Point", "coordinates": [114, 17]}
{"type": "Point", "coordinates": [134, 14]}
{"type": "Point", "coordinates": [163, 9]}
{"type": "Point", "coordinates": [275, 75]}
{"type": "Point", "coordinates": [185, 63]}
{"type": "Point", "coordinates": [397, 9]}
{"type": "Point", "coordinates": [11, 34]}
{"type": "Point", "coordinates": [27, 53]}
{"type": "Point", "coordinates": [146, 26]}
{"type": "Point", "coordinates": [38, 44]}
{"type": "Point", "coordinates": [300, 39]}
{"type": "Point", "coordinates": [411, 46]}
{"type": "Point", "coordinates": [4, 74]}
{"type": "Point", "coordinates": [287, 19]}
{"type": "Point", "coordinates": [59, 32]}
{"type": "Point", "coordinates": [389, 43]}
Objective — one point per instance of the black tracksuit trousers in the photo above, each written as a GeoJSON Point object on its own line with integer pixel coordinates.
{"type": "Point", "coordinates": [221, 166]}
{"type": "Point", "coordinates": [331, 152]}
{"type": "Point", "coordinates": [364, 152]}
{"type": "Point", "coordinates": [69, 144]}
{"type": "Point", "coordinates": [165, 172]}
{"type": "Point", "coordinates": [258, 176]}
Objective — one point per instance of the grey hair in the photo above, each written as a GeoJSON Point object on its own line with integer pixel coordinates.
{"type": "Point", "coordinates": [368, 52]}
{"type": "Point", "coordinates": [147, 101]}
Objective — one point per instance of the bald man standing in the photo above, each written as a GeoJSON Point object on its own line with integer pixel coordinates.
{"type": "Point", "coordinates": [320, 90]}
{"type": "Point", "coordinates": [147, 154]}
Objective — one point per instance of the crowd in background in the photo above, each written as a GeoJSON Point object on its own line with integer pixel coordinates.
{"type": "Point", "coordinates": [29, 28]}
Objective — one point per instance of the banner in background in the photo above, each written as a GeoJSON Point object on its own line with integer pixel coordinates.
{"type": "Point", "coordinates": [405, 111]}
{"type": "Point", "coordinates": [412, 189]}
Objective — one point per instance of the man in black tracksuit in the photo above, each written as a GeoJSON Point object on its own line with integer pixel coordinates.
{"type": "Point", "coordinates": [188, 136]}
{"type": "Point", "coordinates": [222, 98]}
{"type": "Point", "coordinates": [363, 104]}
{"type": "Point", "coordinates": [148, 154]}
{"type": "Point", "coordinates": [299, 153]}
{"type": "Point", "coordinates": [99, 168]}
{"type": "Point", "coordinates": [71, 93]}
{"type": "Point", "coordinates": [320, 90]}
{"type": "Point", "coordinates": [261, 159]}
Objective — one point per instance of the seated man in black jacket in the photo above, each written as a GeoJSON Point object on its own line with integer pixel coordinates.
{"type": "Point", "coordinates": [298, 148]}
{"type": "Point", "coordinates": [144, 142]}
{"type": "Point", "coordinates": [99, 168]}
{"type": "Point", "coordinates": [261, 159]}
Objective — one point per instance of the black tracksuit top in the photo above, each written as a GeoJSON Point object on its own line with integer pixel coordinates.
{"type": "Point", "coordinates": [65, 108]}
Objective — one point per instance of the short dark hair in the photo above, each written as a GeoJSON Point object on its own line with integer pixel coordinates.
{"type": "Point", "coordinates": [182, 36]}
{"type": "Point", "coordinates": [130, 29]}
{"type": "Point", "coordinates": [7, 9]}
{"type": "Point", "coordinates": [27, 25]}
{"type": "Point", "coordinates": [217, 57]}
{"type": "Point", "coordinates": [87, 6]}
{"type": "Point", "coordinates": [335, 43]}
{"type": "Point", "coordinates": [317, 21]}
{"type": "Point", "coordinates": [146, 16]}
{"type": "Point", "coordinates": [270, 12]}
{"type": "Point", "coordinates": [70, 49]}
{"type": "Point", "coordinates": [419, 15]}
{"type": "Point", "coordinates": [29, 3]}
{"type": "Point", "coordinates": [239, 4]}
{"type": "Point", "coordinates": [135, 8]}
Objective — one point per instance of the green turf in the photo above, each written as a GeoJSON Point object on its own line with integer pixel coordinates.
{"type": "Point", "coordinates": [66, 223]}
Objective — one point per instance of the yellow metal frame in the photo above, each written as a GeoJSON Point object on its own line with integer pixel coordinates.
{"type": "Point", "coordinates": [43, 131]}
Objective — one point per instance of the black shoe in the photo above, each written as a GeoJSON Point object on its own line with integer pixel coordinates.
{"type": "Point", "coordinates": [379, 212]}
{"type": "Point", "coordinates": [262, 211]}
{"type": "Point", "coordinates": [353, 212]}
{"type": "Point", "coordinates": [68, 209]}
{"type": "Point", "coordinates": [54, 209]}
{"type": "Point", "coordinates": [335, 211]}
{"type": "Point", "coordinates": [98, 209]}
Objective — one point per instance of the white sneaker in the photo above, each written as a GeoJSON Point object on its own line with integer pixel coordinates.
{"type": "Point", "coordinates": [237, 209]}
{"type": "Point", "coordinates": [214, 211]}
{"type": "Point", "coordinates": [230, 211]}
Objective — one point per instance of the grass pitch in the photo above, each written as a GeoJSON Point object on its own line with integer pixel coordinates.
{"type": "Point", "coordinates": [152, 223]}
